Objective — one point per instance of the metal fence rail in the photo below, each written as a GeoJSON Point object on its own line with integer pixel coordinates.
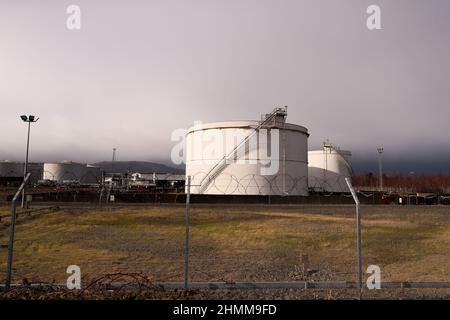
{"type": "Point", "coordinates": [303, 285]}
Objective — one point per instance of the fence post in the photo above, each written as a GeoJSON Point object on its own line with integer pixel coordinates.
{"type": "Point", "coordinates": [12, 226]}
{"type": "Point", "coordinates": [358, 235]}
{"type": "Point", "coordinates": [186, 243]}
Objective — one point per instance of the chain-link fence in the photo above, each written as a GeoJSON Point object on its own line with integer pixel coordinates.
{"type": "Point", "coordinates": [281, 241]}
{"type": "Point", "coordinates": [234, 243]}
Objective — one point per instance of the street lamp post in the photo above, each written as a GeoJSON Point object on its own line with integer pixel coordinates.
{"type": "Point", "coordinates": [28, 119]}
{"type": "Point", "coordinates": [113, 159]}
{"type": "Point", "coordinates": [380, 167]}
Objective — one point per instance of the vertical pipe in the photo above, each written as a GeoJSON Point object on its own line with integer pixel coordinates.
{"type": "Point", "coordinates": [358, 235]}
{"type": "Point", "coordinates": [359, 249]}
{"type": "Point", "coordinates": [380, 167]}
{"type": "Point", "coordinates": [284, 151]}
{"type": "Point", "coordinates": [284, 160]}
{"type": "Point", "coordinates": [25, 170]}
{"type": "Point", "coordinates": [11, 232]}
{"type": "Point", "coordinates": [11, 245]}
{"type": "Point", "coordinates": [113, 159]}
{"type": "Point", "coordinates": [186, 243]}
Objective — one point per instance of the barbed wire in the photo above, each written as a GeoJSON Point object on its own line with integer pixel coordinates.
{"type": "Point", "coordinates": [251, 184]}
{"type": "Point", "coordinates": [225, 183]}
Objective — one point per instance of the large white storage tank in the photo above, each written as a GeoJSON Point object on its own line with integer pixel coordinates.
{"type": "Point", "coordinates": [267, 157]}
{"type": "Point", "coordinates": [328, 168]}
{"type": "Point", "coordinates": [64, 171]}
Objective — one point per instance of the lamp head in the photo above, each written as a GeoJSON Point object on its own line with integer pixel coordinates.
{"type": "Point", "coordinates": [24, 118]}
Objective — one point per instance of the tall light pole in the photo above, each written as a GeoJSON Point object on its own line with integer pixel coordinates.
{"type": "Point", "coordinates": [113, 159]}
{"type": "Point", "coordinates": [28, 119]}
{"type": "Point", "coordinates": [380, 167]}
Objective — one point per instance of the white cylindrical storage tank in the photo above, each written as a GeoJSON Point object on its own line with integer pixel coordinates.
{"type": "Point", "coordinates": [64, 171]}
{"type": "Point", "coordinates": [270, 160]}
{"type": "Point", "coordinates": [328, 168]}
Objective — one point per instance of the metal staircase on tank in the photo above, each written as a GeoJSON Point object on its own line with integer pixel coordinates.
{"type": "Point", "coordinates": [347, 164]}
{"type": "Point", "coordinates": [225, 161]}
{"type": "Point", "coordinates": [328, 145]}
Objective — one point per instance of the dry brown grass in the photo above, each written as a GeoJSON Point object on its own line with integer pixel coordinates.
{"type": "Point", "coordinates": [230, 243]}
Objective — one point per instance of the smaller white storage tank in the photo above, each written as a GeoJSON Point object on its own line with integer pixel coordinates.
{"type": "Point", "coordinates": [328, 168]}
{"type": "Point", "coordinates": [64, 171]}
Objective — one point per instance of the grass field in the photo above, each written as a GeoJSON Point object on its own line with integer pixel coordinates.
{"type": "Point", "coordinates": [233, 244]}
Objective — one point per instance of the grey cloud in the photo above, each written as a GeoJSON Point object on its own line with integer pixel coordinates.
{"type": "Point", "coordinates": [140, 69]}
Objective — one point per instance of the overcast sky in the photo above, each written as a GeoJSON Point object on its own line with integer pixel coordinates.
{"type": "Point", "coordinates": [137, 70]}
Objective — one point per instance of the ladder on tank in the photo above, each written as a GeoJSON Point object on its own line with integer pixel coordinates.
{"type": "Point", "coordinates": [328, 145]}
{"type": "Point", "coordinates": [225, 161]}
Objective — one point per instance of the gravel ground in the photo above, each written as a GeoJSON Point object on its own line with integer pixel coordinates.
{"type": "Point", "coordinates": [247, 294]}
{"type": "Point", "coordinates": [145, 289]}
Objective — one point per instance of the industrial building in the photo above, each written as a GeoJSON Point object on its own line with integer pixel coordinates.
{"type": "Point", "coordinates": [165, 181]}
{"type": "Point", "coordinates": [328, 168]}
{"type": "Point", "coordinates": [266, 157]}
{"type": "Point", "coordinates": [93, 175]}
{"type": "Point", "coordinates": [71, 172]}
{"type": "Point", "coordinates": [11, 172]}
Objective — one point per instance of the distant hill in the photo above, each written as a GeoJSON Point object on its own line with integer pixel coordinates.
{"type": "Point", "coordinates": [137, 166]}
